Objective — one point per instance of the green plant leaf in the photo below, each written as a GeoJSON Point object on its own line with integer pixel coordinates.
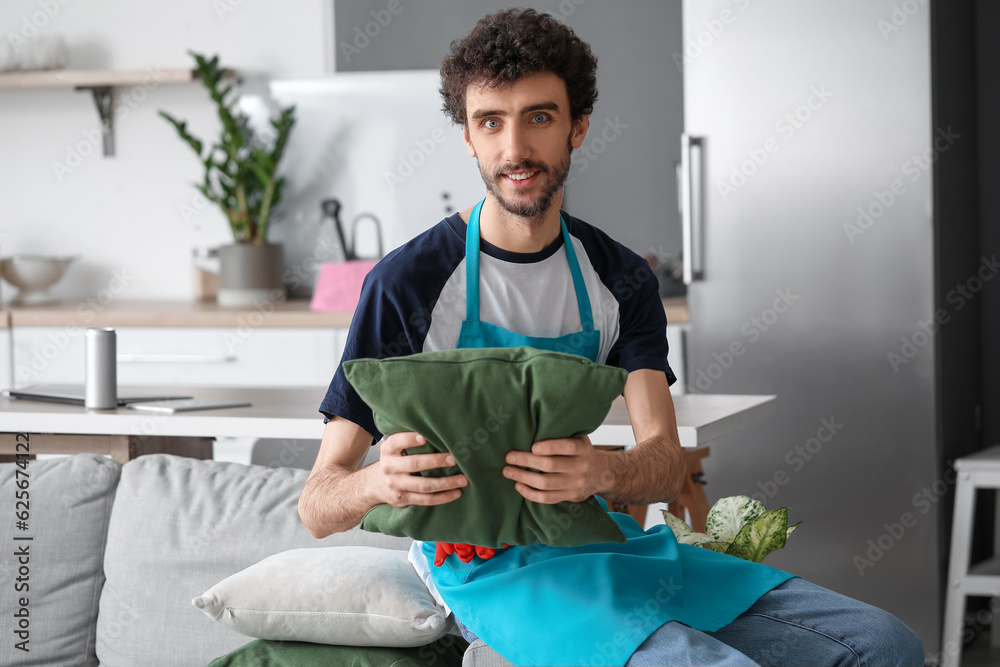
{"type": "Point", "coordinates": [679, 527]}
{"type": "Point", "coordinates": [761, 536]}
{"type": "Point", "coordinates": [729, 515]}
{"type": "Point", "coordinates": [790, 529]}
{"type": "Point", "coordinates": [703, 540]}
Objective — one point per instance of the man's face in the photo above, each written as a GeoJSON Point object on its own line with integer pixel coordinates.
{"type": "Point", "coordinates": [521, 137]}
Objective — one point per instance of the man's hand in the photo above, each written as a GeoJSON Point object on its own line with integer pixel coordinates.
{"type": "Point", "coordinates": [395, 483]}
{"type": "Point", "coordinates": [571, 469]}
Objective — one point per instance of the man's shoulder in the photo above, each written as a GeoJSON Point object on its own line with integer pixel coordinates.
{"type": "Point", "coordinates": [428, 258]}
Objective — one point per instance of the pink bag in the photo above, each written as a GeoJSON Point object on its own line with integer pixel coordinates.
{"type": "Point", "coordinates": [338, 286]}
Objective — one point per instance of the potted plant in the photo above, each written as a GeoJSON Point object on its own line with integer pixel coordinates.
{"type": "Point", "coordinates": [739, 526]}
{"type": "Point", "coordinates": [240, 177]}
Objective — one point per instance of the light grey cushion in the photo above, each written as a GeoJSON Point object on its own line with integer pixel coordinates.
{"type": "Point", "coordinates": [69, 503]}
{"type": "Point", "coordinates": [480, 655]}
{"type": "Point", "coordinates": [348, 596]}
{"type": "Point", "coordinates": [180, 526]}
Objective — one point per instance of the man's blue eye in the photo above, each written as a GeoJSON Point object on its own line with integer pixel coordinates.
{"type": "Point", "coordinates": [490, 120]}
{"type": "Point", "coordinates": [539, 118]}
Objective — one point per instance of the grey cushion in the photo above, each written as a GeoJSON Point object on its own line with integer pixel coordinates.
{"type": "Point", "coordinates": [180, 526]}
{"type": "Point", "coordinates": [69, 503]}
{"type": "Point", "coordinates": [480, 655]}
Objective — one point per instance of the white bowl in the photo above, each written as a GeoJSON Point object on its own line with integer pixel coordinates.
{"type": "Point", "coordinates": [33, 275]}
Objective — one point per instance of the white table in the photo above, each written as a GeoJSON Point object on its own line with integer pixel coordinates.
{"type": "Point", "coordinates": [293, 413]}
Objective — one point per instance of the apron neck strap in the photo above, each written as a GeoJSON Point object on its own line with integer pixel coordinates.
{"type": "Point", "coordinates": [472, 271]}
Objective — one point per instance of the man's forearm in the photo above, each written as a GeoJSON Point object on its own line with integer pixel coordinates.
{"type": "Point", "coordinates": [651, 472]}
{"type": "Point", "coordinates": [335, 501]}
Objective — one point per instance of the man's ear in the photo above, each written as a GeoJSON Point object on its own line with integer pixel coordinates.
{"type": "Point", "coordinates": [579, 133]}
{"type": "Point", "coordinates": [468, 141]}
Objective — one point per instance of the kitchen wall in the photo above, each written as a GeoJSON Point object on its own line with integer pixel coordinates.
{"type": "Point", "coordinates": [124, 215]}
{"type": "Point", "coordinates": [133, 219]}
{"type": "Point", "coordinates": [623, 179]}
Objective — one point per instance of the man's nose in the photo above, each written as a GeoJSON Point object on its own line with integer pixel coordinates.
{"type": "Point", "coordinates": [517, 148]}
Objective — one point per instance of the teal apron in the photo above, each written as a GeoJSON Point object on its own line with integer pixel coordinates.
{"type": "Point", "coordinates": [591, 605]}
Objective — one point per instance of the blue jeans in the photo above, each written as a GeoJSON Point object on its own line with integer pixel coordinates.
{"type": "Point", "coordinates": [796, 623]}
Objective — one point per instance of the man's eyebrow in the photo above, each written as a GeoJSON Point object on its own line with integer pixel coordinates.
{"type": "Point", "coordinates": [541, 106]}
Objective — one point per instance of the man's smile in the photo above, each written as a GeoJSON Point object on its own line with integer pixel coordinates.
{"type": "Point", "coordinates": [522, 178]}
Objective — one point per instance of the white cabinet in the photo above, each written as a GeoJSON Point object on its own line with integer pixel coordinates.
{"type": "Point", "coordinates": [192, 356]}
{"type": "Point", "coordinates": [5, 358]}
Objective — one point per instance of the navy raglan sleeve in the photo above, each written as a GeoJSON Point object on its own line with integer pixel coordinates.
{"type": "Point", "coordinates": [642, 337]}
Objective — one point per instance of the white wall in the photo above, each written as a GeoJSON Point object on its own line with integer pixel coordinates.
{"type": "Point", "coordinates": [121, 215]}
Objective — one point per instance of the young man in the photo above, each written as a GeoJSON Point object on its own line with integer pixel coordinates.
{"type": "Point", "coordinates": [522, 86]}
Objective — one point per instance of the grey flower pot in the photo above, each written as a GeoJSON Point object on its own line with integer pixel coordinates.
{"type": "Point", "coordinates": [250, 274]}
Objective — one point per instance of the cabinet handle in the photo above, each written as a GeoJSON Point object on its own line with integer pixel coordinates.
{"type": "Point", "coordinates": [692, 206]}
{"type": "Point", "coordinates": [176, 358]}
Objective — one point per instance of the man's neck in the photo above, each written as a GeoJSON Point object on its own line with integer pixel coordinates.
{"type": "Point", "coordinates": [516, 234]}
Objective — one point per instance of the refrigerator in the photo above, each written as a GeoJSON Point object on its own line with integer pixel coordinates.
{"type": "Point", "coordinates": [813, 176]}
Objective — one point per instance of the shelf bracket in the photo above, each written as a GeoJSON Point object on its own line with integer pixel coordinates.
{"type": "Point", "coordinates": [103, 101]}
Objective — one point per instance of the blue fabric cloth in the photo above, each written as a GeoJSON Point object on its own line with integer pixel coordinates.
{"type": "Point", "coordinates": [796, 623]}
{"type": "Point", "coordinates": [596, 605]}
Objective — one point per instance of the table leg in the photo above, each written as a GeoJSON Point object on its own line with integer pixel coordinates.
{"type": "Point", "coordinates": [692, 497]}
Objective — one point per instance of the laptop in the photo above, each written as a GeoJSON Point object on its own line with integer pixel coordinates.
{"type": "Point", "coordinates": [73, 394]}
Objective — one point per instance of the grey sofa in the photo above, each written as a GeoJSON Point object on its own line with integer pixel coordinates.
{"type": "Point", "coordinates": [116, 553]}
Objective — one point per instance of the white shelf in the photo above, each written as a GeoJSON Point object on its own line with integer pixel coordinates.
{"type": "Point", "coordinates": [92, 78]}
{"type": "Point", "coordinates": [101, 84]}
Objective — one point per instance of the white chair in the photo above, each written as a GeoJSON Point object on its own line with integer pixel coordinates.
{"type": "Point", "coordinates": [977, 471]}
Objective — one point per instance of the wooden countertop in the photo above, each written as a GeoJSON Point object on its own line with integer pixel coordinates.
{"type": "Point", "coordinates": [293, 313]}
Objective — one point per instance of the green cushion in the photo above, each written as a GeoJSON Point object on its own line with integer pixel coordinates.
{"type": "Point", "coordinates": [479, 404]}
{"type": "Point", "coordinates": [445, 652]}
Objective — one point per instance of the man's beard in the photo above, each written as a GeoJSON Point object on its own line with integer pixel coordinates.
{"type": "Point", "coordinates": [536, 208]}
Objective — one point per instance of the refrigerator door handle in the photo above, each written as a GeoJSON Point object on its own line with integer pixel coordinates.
{"type": "Point", "coordinates": [691, 205]}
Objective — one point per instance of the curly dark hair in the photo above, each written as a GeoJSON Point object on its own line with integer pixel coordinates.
{"type": "Point", "coordinates": [514, 43]}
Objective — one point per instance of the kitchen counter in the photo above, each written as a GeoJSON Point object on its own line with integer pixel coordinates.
{"type": "Point", "coordinates": [293, 313]}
